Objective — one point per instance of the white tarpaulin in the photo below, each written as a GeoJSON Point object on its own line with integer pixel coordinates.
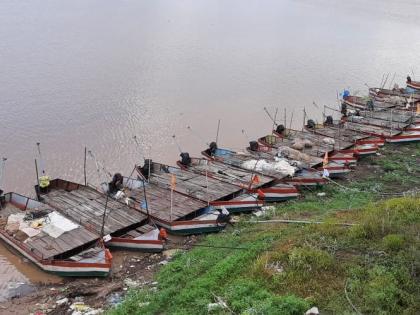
{"type": "Point", "coordinates": [56, 225]}
{"type": "Point", "coordinates": [279, 165]}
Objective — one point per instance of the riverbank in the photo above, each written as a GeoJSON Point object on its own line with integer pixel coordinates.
{"type": "Point", "coordinates": [266, 267]}
{"type": "Point", "coordinates": [288, 268]}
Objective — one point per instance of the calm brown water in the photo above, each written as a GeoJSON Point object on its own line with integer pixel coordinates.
{"type": "Point", "coordinates": [96, 73]}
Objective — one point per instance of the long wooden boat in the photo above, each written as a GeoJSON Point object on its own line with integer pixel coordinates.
{"type": "Point", "coordinates": [395, 96]}
{"type": "Point", "coordinates": [392, 136]}
{"type": "Point", "coordinates": [50, 240]}
{"type": "Point", "coordinates": [316, 145]}
{"type": "Point", "coordinates": [235, 198]}
{"type": "Point", "coordinates": [403, 117]}
{"type": "Point", "coordinates": [127, 228]}
{"type": "Point", "coordinates": [415, 85]}
{"type": "Point", "coordinates": [363, 144]}
{"type": "Point", "coordinates": [268, 188]}
{"type": "Point", "coordinates": [381, 123]}
{"type": "Point", "coordinates": [176, 212]}
{"type": "Point", "coordinates": [359, 102]}
{"type": "Point", "coordinates": [309, 162]}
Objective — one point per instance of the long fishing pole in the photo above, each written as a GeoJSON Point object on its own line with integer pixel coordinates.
{"type": "Point", "coordinates": [197, 135]}
{"type": "Point", "coordinates": [268, 114]}
{"type": "Point", "coordinates": [291, 119]}
{"type": "Point", "coordinates": [177, 144]}
{"type": "Point", "coordinates": [99, 167]}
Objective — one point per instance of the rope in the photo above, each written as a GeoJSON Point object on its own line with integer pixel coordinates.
{"type": "Point", "coordinates": [348, 299]}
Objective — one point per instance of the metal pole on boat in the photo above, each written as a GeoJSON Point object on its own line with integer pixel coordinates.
{"type": "Point", "coordinates": [304, 117]}
{"type": "Point", "coordinates": [104, 215]}
{"type": "Point", "coordinates": [285, 118]}
{"type": "Point", "coordinates": [207, 183]}
{"type": "Point", "coordinates": [291, 119]}
{"type": "Point", "coordinates": [218, 128]}
{"type": "Point", "coordinates": [269, 116]}
{"type": "Point", "coordinates": [37, 180]}
{"type": "Point", "coordinates": [390, 83]}
{"type": "Point", "coordinates": [41, 160]}
{"type": "Point", "coordinates": [84, 166]}
{"type": "Point", "coordinates": [2, 166]}
{"type": "Point", "coordinates": [275, 117]}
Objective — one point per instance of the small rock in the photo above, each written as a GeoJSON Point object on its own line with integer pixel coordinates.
{"type": "Point", "coordinates": [62, 301]}
{"type": "Point", "coordinates": [312, 311]}
{"type": "Point", "coordinates": [131, 283]}
{"type": "Point", "coordinates": [163, 262]}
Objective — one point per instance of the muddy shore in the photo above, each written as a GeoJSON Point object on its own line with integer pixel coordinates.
{"type": "Point", "coordinates": [130, 270]}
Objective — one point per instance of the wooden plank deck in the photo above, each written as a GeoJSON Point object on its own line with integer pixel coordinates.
{"type": "Point", "coordinates": [47, 246]}
{"type": "Point", "coordinates": [371, 129]}
{"type": "Point", "coordinates": [86, 206]}
{"type": "Point", "coordinates": [193, 184]}
{"type": "Point", "coordinates": [159, 202]}
{"type": "Point", "coordinates": [228, 173]}
{"type": "Point", "coordinates": [377, 122]}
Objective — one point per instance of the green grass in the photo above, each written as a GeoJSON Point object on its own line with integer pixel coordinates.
{"type": "Point", "coordinates": [285, 269]}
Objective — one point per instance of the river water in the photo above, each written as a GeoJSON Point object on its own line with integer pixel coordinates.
{"type": "Point", "coordinates": [95, 73]}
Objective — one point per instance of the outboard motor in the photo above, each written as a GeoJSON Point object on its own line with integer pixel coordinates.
{"type": "Point", "coordinates": [311, 124]}
{"type": "Point", "coordinates": [280, 129]}
{"type": "Point", "coordinates": [2, 199]}
{"type": "Point", "coordinates": [253, 145]}
{"type": "Point", "coordinates": [212, 148]}
{"type": "Point", "coordinates": [185, 158]}
{"type": "Point", "coordinates": [223, 216]}
{"type": "Point", "coordinates": [329, 120]}
{"type": "Point", "coordinates": [147, 168]}
{"type": "Point", "coordinates": [116, 184]}
{"type": "Point", "coordinates": [344, 109]}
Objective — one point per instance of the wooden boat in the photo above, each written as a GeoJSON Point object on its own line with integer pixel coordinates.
{"type": "Point", "coordinates": [395, 96]}
{"type": "Point", "coordinates": [310, 162]}
{"type": "Point", "coordinates": [268, 188]}
{"type": "Point", "coordinates": [341, 152]}
{"type": "Point", "coordinates": [415, 85]}
{"type": "Point", "coordinates": [127, 228]}
{"type": "Point", "coordinates": [51, 241]}
{"type": "Point", "coordinates": [363, 144]}
{"type": "Point", "coordinates": [381, 123]}
{"type": "Point", "coordinates": [179, 214]}
{"type": "Point", "coordinates": [235, 198]}
{"type": "Point", "coordinates": [403, 117]}
{"type": "Point", "coordinates": [359, 102]}
{"type": "Point", "coordinates": [392, 136]}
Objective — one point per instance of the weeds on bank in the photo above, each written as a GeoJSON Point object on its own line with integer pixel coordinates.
{"type": "Point", "coordinates": [285, 269]}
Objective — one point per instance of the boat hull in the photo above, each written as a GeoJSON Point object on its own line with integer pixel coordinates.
{"type": "Point", "coordinates": [62, 268]}
{"type": "Point", "coordinates": [147, 246]}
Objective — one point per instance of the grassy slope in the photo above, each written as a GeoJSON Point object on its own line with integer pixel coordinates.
{"type": "Point", "coordinates": [285, 269]}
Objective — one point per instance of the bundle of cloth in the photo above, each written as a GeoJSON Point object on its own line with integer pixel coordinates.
{"type": "Point", "coordinates": [294, 155]}
{"type": "Point", "coordinates": [278, 165]}
{"type": "Point", "coordinates": [300, 144]}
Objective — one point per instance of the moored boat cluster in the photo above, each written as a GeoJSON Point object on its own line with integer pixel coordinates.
{"type": "Point", "coordinates": [69, 229]}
